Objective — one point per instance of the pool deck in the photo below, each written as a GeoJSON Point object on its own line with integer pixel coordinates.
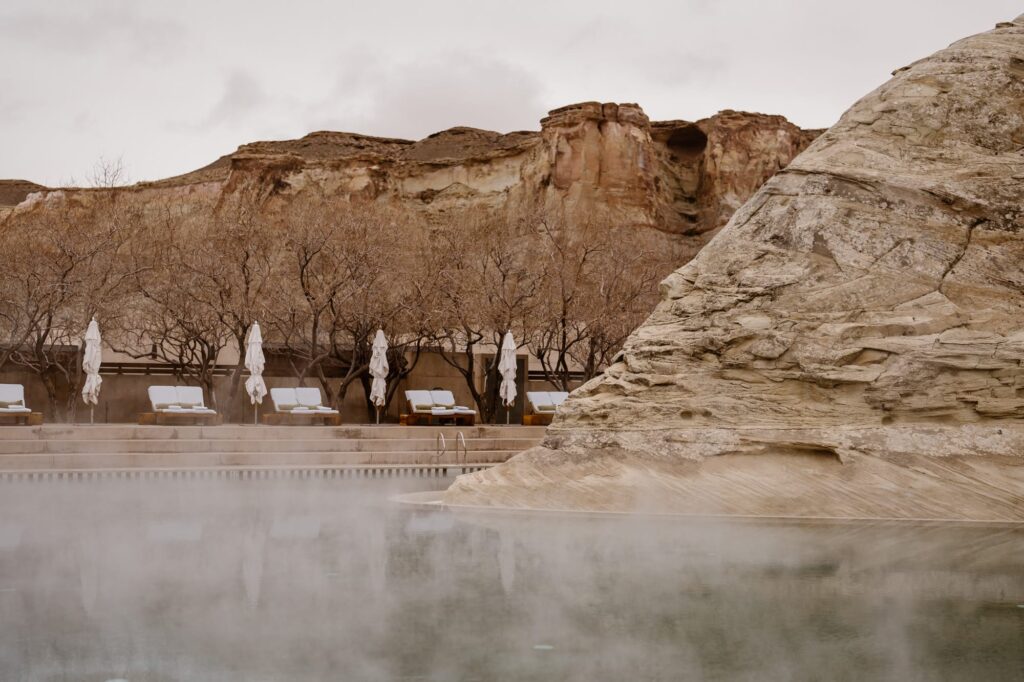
{"type": "Point", "coordinates": [56, 449]}
{"type": "Point", "coordinates": [434, 499]}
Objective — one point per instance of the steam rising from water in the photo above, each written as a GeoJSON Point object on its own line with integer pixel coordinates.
{"type": "Point", "coordinates": [328, 580]}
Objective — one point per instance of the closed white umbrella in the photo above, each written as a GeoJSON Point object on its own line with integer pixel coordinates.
{"type": "Point", "coordinates": [379, 371]}
{"type": "Point", "coordinates": [507, 369]}
{"type": "Point", "coordinates": [91, 365]}
{"type": "Point", "coordinates": [255, 362]}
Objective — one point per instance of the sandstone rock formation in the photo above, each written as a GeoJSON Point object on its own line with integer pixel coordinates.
{"type": "Point", "coordinates": [13, 192]}
{"type": "Point", "coordinates": [683, 179]}
{"type": "Point", "coordinates": [851, 344]}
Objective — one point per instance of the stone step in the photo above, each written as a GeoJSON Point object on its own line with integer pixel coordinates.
{"type": "Point", "coordinates": [52, 432]}
{"type": "Point", "coordinates": [142, 460]}
{"type": "Point", "coordinates": [252, 473]}
{"type": "Point", "coordinates": [184, 446]}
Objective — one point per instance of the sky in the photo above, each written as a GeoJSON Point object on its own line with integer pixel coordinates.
{"type": "Point", "coordinates": [168, 87]}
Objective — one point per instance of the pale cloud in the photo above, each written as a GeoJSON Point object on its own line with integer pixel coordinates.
{"type": "Point", "coordinates": [105, 26]}
{"type": "Point", "coordinates": [243, 96]}
{"type": "Point", "coordinates": [12, 110]}
{"type": "Point", "coordinates": [444, 91]}
{"type": "Point", "coordinates": [173, 85]}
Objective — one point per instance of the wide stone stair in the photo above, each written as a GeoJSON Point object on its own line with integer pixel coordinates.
{"type": "Point", "coordinates": [62, 451]}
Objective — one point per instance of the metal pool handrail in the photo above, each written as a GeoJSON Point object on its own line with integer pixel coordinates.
{"type": "Point", "coordinates": [441, 447]}
{"type": "Point", "coordinates": [465, 449]}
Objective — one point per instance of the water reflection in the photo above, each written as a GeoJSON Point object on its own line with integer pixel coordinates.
{"type": "Point", "coordinates": [327, 580]}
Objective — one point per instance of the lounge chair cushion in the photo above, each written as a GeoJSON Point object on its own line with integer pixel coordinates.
{"type": "Point", "coordinates": [178, 399]}
{"type": "Point", "coordinates": [446, 400]}
{"type": "Point", "coordinates": [308, 397]}
{"type": "Point", "coordinates": [12, 395]}
{"type": "Point", "coordinates": [442, 398]}
{"type": "Point", "coordinates": [163, 397]}
{"type": "Point", "coordinates": [421, 401]}
{"type": "Point", "coordinates": [558, 397]}
{"type": "Point", "coordinates": [190, 396]}
{"type": "Point", "coordinates": [13, 409]}
{"type": "Point", "coordinates": [284, 399]}
{"type": "Point", "coordinates": [437, 403]}
{"type": "Point", "coordinates": [311, 399]}
{"type": "Point", "coordinates": [540, 401]}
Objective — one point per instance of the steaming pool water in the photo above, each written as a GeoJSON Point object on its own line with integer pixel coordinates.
{"type": "Point", "coordinates": [300, 579]}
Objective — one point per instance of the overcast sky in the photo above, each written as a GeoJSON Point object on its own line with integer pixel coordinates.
{"type": "Point", "coordinates": [170, 86]}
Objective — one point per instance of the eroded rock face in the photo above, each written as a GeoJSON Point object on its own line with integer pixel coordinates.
{"type": "Point", "coordinates": [682, 179]}
{"type": "Point", "coordinates": [851, 344]}
{"type": "Point", "coordinates": [13, 192]}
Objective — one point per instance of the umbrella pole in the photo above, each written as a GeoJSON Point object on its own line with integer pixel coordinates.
{"type": "Point", "coordinates": [92, 409]}
{"type": "Point", "coordinates": [255, 414]}
{"type": "Point", "coordinates": [508, 415]}
{"type": "Point", "coordinates": [378, 415]}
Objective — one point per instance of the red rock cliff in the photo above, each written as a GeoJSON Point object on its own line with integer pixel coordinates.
{"type": "Point", "coordinates": [681, 178]}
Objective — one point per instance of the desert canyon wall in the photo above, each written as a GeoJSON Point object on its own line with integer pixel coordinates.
{"type": "Point", "coordinates": [684, 180]}
{"type": "Point", "coordinates": [850, 345]}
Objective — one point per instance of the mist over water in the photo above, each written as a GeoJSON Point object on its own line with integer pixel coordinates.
{"type": "Point", "coordinates": [310, 579]}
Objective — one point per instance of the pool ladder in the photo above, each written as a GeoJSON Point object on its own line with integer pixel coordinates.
{"type": "Point", "coordinates": [441, 447]}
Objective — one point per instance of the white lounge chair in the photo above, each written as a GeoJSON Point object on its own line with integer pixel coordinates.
{"type": "Point", "coordinates": [13, 408]}
{"type": "Point", "coordinates": [434, 406]}
{"type": "Point", "coordinates": [305, 404]}
{"type": "Point", "coordinates": [176, 404]}
{"type": "Point", "coordinates": [544, 404]}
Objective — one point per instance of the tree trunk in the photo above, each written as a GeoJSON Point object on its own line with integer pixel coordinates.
{"type": "Point", "coordinates": [236, 374]}
{"type": "Point", "coordinates": [50, 384]}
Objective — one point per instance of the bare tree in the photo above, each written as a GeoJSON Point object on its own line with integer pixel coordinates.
{"type": "Point", "coordinates": [350, 268]}
{"type": "Point", "coordinates": [485, 267]}
{"type": "Point", "coordinates": [570, 253]}
{"type": "Point", "coordinates": [230, 264]}
{"type": "Point", "coordinates": [109, 173]}
{"type": "Point", "coordinates": [600, 281]}
{"type": "Point", "coordinates": [69, 264]}
{"type": "Point", "coordinates": [315, 287]}
{"type": "Point", "coordinates": [622, 290]}
{"type": "Point", "coordinates": [202, 279]}
{"type": "Point", "coordinates": [19, 315]}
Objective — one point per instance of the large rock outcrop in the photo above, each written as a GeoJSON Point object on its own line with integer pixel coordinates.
{"type": "Point", "coordinates": [851, 344]}
{"type": "Point", "coordinates": [682, 179]}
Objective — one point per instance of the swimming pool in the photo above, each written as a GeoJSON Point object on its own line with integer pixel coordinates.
{"type": "Point", "coordinates": [331, 580]}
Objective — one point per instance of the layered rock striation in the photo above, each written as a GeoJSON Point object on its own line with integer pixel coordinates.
{"type": "Point", "coordinates": [682, 179]}
{"type": "Point", "coordinates": [851, 344]}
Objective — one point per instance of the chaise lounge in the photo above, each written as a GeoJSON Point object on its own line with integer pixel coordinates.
{"type": "Point", "coordinates": [178, 405]}
{"type": "Point", "coordinates": [436, 407]}
{"type": "Point", "coordinates": [544, 404]}
{"type": "Point", "coordinates": [13, 409]}
{"type": "Point", "coordinates": [300, 406]}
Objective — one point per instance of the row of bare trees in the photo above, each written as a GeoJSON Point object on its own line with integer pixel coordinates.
{"type": "Point", "coordinates": [183, 283]}
{"type": "Point", "coordinates": [60, 266]}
